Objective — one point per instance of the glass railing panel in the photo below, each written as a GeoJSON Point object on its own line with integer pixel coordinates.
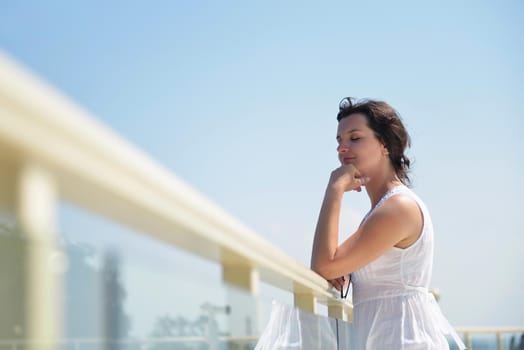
{"type": "Point", "coordinates": [243, 320]}
{"type": "Point", "coordinates": [452, 344]}
{"type": "Point", "coordinates": [124, 290]}
{"type": "Point", "coordinates": [345, 335]}
{"type": "Point", "coordinates": [143, 292]}
{"type": "Point", "coordinates": [513, 341]}
{"type": "Point", "coordinates": [269, 294]}
{"type": "Point", "coordinates": [483, 341]}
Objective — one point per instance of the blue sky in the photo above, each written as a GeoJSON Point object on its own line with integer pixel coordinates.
{"type": "Point", "coordinates": [239, 99]}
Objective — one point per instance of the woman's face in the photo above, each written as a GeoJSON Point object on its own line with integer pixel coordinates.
{"type": "Point", "coordinates": [358, 145]}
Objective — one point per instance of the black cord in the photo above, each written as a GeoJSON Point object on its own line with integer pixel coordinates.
{"type": "Point", "coordinates": [338, 339]}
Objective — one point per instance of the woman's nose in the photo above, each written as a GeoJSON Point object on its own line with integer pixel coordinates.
{"type": "Point", "coordinates": [341, 148]}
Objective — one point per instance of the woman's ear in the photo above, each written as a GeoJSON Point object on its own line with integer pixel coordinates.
{"type": "Point", "coordinates": [385, 150]}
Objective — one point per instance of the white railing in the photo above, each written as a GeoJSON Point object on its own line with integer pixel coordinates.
{"type": "Point", "coordinates": [496, 331]}
{"type": "Point", "coordinates": [51, 149]}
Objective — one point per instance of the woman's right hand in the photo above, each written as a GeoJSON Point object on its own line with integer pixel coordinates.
{"type": "Point", "coordinates": [346, 178]}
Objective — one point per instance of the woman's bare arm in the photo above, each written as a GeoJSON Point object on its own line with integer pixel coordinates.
{"type": "Point", "coordinates": [396, 220]}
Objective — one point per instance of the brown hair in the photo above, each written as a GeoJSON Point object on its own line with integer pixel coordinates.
{"type": "Point", "coordinates": [388, 128]}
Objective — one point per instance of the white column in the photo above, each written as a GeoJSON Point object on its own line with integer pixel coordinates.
{"type": "Point", "coordinates": [36, 215]}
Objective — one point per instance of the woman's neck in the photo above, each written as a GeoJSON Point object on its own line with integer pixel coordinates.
{"type": "Point", "coordinates": [377, 187]}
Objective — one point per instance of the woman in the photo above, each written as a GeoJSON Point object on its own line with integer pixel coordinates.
{"type": "Point", "coordinates": [390, 256]}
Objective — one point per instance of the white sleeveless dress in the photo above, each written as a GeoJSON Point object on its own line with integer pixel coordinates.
{"type": "Point", "coordinates": [393, 308]}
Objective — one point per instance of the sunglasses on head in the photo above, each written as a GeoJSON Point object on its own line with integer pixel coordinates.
{"type": "Point", "coordinates": [346, 102]}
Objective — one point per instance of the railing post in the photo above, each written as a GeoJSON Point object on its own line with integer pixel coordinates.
{"type": "Point", "coordinates": [36, 198]}
{"type": "Point", "coordinates": [306, 302]}
{"type": "Point", "coordinates": [243, 306]}
{"type": "Point", "coordinates": [467, 338]}
{"type": "Point", "coordinates": [349, 315]}
{"type": "Point", "coordinates": [499, 341]}
{"type": "Point", "coordinates": [244, 277]}
{"type": "Point", "coordinates": [336, 311]}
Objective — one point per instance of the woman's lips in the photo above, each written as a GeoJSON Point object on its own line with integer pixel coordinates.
{"type": "Point", "coordinates": [347, 160]}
